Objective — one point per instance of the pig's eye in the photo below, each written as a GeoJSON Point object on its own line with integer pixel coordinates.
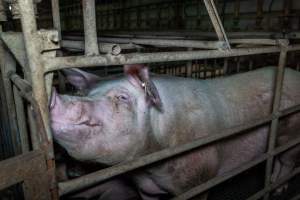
{"type": "Point", "coordinates": [123, 98]}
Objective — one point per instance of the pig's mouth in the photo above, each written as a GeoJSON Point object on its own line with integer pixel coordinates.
{"type": "Point", "coordinates": [72, 130]}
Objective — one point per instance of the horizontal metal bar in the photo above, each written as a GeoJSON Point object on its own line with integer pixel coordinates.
{"type": "Point", "coordinates": [110, 48]}
{"type": "Point", "coordinates": [159, 42]}
{"type": "Point", "coordinates": [168, 43]}
{"type": "Point", "coordinates": [183, 33]}
{"type": "Point", "coordinates": [219, 179]}
{"type": "Point", "coordinates": [96, 177]}
{"type": "Point", "coordinates": [134, 58]}
{"type": "Point", "coordinates": [15, 170]}
{"type": "Point", "coordinates": [254, 41]}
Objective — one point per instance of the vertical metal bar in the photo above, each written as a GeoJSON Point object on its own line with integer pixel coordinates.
{"type": "Point", "coordinates": [35, 141]}
{"type": "Point", "coordinates": [90, 29]}
{"type": "Point", "coordinates": [32, 41]}
{"type": "Point", "coordinates": [32, 44]}
{"type": "Point", "coordinates": [215, 19]}
{"type": "Point", "coordinates": [56, 17]}
{"type": "Point", "coordinates": [275, 110]}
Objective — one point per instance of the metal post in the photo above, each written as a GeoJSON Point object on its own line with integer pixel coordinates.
{"type": "Point", "coordinates": [36, 66]}
{"type": "Point", "coordinates": [32, 41]}
{"type": "Point", "coordinates": [275, 110]}
{"type": "Point", "coordinates": [90, 28]}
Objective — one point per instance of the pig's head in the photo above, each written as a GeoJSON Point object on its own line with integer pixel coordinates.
{"type": "Point", "coordinates": [112, 122]}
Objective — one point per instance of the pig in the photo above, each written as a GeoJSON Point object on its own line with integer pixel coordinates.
{"type": "Point", "coordinates": [130, 116]}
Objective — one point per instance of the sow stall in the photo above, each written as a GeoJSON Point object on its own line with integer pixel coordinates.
{"type": "Point", "coordinates": [28, 95]}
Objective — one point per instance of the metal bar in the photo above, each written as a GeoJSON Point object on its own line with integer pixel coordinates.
{"type": "Point", "coordinates": [109, 48]}
{"type": "Point", "coordinates": [22, 85]}
{"type": "Point", "coordinates": [31, 39]}
{"type": "Point", "coordinates": [90, 28]}
{"type": "Point", "coordinates": [217, 23]}
{"type": "Point", "coordinates": [56, 17]}
{"type": "Point", "coordinates": [21, 120]}
{"type": "Point", "coordinates": [159, 42]}
{"type": "Point", "coordinates": [217, 180]}
{"type": "Point", "coordinates": [276, 107]}
{"type": "Point", "coordinates": [168, 43]}
{"type": "Point", "coordinates": [20, 169]}
{"type": "Point", "coordinates": [261, 41]}
{"type": "Point", "coordinates": [201, 34]}
{"type": "Point", "coordinates": [96, 177]}
{"type": "Point", "coordinates": [133, 58]}
{"type": "Point", "coordinates": [32, 44]}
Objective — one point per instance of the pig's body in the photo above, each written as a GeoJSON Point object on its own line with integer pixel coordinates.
{"type": "Point", "coordinates": [191, 109]}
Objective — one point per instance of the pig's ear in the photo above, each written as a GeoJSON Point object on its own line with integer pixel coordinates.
{"type": "Point", "coordinates": [55, 100]}
{"type": "Point", "coordinates": [138, 75]}
{"type": "Point", "coordinates": [81, 79]}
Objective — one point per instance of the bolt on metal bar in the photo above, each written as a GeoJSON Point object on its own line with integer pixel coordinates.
{"type": "Point", "coordinates": [96, 177]}
{"type": "Point", "coordinates": [109, 48]}
{"type": "Point", "coordinates": [276, 107]}
{"type": "Point", "coordinates": [90, 28]}
{"type": "Point", "coordinates": [217, 23]}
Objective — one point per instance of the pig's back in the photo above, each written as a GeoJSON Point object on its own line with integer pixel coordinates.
{"type": "Point", "coordinates": [197, 108]}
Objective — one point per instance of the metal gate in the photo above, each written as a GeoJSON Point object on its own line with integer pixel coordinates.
{"type": "Point", "coordinates": [35, 167]}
